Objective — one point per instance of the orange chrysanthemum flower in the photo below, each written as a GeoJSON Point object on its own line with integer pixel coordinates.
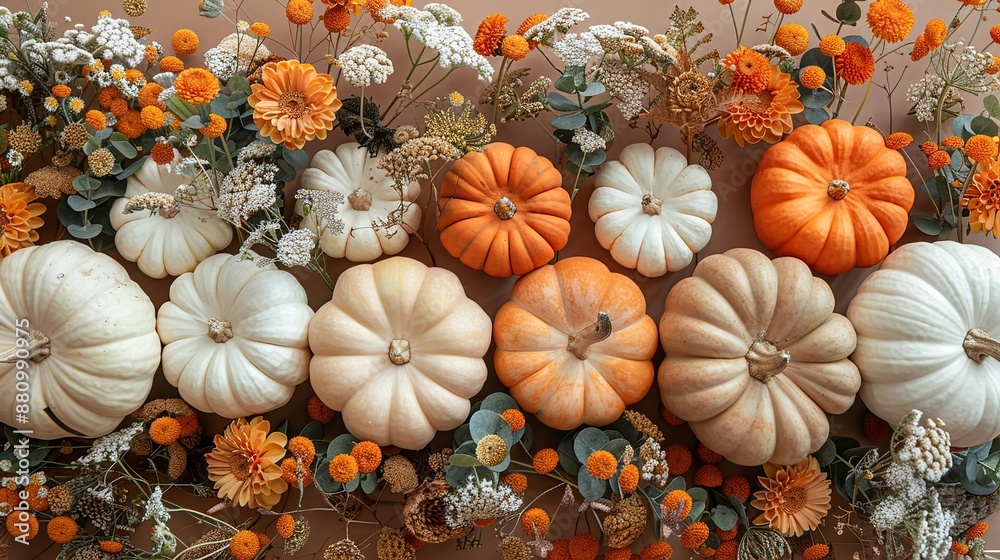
{"type": "Point", "coordinates": [171, 64]}
{"type": "Point", "coordinates": [694, 535]}
{"type": "Point", "coordinates": [678, 501]}
{"type": "Point", "coordinates": [130, 124]}
{"type": "Point", "coordinates": [935, 33]}
{"type": "Point", "coordinates": [260, 29]}
{"type": "Point", "coordinates": [982, 198]}
{"type": "Point", "coordinates": [244, 463]}
{"type": "Point", "coordinates": [939, 160]}
{"type": "Point", "coordinates": [545, 460]}
{"type": "Point", "coordinates": [20, 218]}
{"type": "Point", "coordinates": [343, 468]}
{"type": "Point", "coordinates": [162, 153]}
{"type": "Point", "coordinates": [795, 498]}
{"type": "Point", "coordinates": [535, 522]}
{"type": "Point", "coordinates": [726, 2]}
{"type": "Point", "coordinates": [812, 77]}
{"type": "Point", "coordinates": [973, 2]}
{"type": "Point", "coordinates": [670, 418]}
{"type": "Point", "coordinates": [709, 476]}
{"type": "Point", "coordinates": [928, 147]}
{"type": "Point", "coordinates": [107, 95]}
{"type": "Point", "coordinates": [96, 119]}
{"type": "Point", "coordinates": [164, 430]}
{"type": "Point", "coordinates": [528, 23]}
{"type": "Point", "coordinates": [751, 71]}
{"type": "Point", "coordinates": [628, 480]}
{"type": "Point", "coordinates": [788, 7]}
{"type": "Point", "coordinates": [133, 75]}
{"type": "Point", "coordinates": [152, 54]}
{"type": "Point", "coordinates": [816, 552]}
{"type": "Point", "coordinates": [856, 64]}
{"type": "Point", "coordinates": [184, 42]}
{"type": "Point", "coordinates": [245, 545]}
{"type": "Point", "coordinates": [792, 37]}
{"type": "Point", "coordinates": [994, 66]}
{"type": "Point", "coordinates": [285, 525]}
{"type": "Point", "coordinates": [196, 86]}
{"type": "Point", "coordinates": [584, 546]}
{"type": "Point", "coordinates": [62, 529]}
{"type": "Point", "coordinates": [981, 148]}
{"type": "Point", "coordinates": [216, 126]}
{"type": "Point", "coordinates": [299, 12]}
{"type": "Point", "coordinates": [152, 117]}
{"type": "Point", "coordinates": [602, 464]}
{"type": "Point", "coordinates": [679, 458]}
{"type": "Point", "coordinates": [658, 550]}
{"type": "Point", "coordinates": [730, 534]}
{"type": "Point", "coordinates": [368, 455]}
{"type": "Point", "coordinates": [149, 96]}
{"type": "Point", "coordinates": [977, 531]}
{"type": "Point", "coordinates": [336, 19]}
{"type": "Point", "coordinates": [515, 47]}
{"type": "Point", "coordinates": [319, 412]}
{"type": "Point", "coordinates": [110, 546]}
{"type": "Point", "coordinates": [293, 103]}
{"type": "Point", "coordinates": [890, 20]}
{"type": "Point", "coordinates": [118, 107]}
{"type": "Point", "coordinates": [61, 91]}
{"type": "Point", "coordinates": [517, 481]}
{"type": "Point", "coordinates": [768, 117]}
{"type": "Point", "coordinates": [898, 140]}
{"type": "Point", "coordinates": [738, 486]}
{"type": "Point", "coordinates": [491, 31]}
{"type": "Point", "coordinates": [832, 45]}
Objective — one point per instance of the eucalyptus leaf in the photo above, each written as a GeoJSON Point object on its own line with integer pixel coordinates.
{"type": "Point", "coordinates": [298, 159]}
{"type": "Point", "coordinates": [992, 104]}
{"type": "Point", "coordinates": [238, 83]}
{"type": "Point", "coordinates": [463, 460]}
{"type": "Point", "coordinates": [343, 443]}
{"type": "Point", "coordinates": [566, 84]}
{"type": "Point", "coordinates": [132, 168]}
{"type": "Point", "coordinates": [571, 121]}
{"type": "Point", "coordinates": [724, 517]}
{"type": "Point", "coordinates": [88, 231]}
{"type": "Point", "coordinates": [983, 125]}
{"type": "Point", "coordinates": [560, 102]}
{"type": "Point", "coordinates": [353, 484]}
{"type": "Point", "coordinates": [587, 441]}
{"type": "Point", "coordinates": [592, 89]}
{"type": "Point", "coordinates": [826, 453]}
{"type": "Point", "coordinates": [697, 509]}
{"type": "Point", "coordinates": [80, 204]}
{"type": "Point", "coordinates": [591, 488]}
{"type": "Point", "coordinates": [929, 225]}
{"type": "Point", "coordinates": [741, 510]}
{"type": "Point", "coordinates": [461, 435]}
{"type": "Point", "coordinates": [814, 98]}
{"type": "Point", "coordinates": [816, 115]}
{"type": "Point", "coordinates": [325, 482]}
{"type": "Point", "coordinates": [313, 431]}
{"type": "Point", "coordinates": [487, 422]}
{"type": "Point", "coordinates": [369, 481]}
{"type": "Point", "coordinates": [677, 483]}
{"type": "Point", "coordinates": [67, 215]}
{"type": "Point", "coordinates": [848, 13]}
{"type": "Point", "coordinates": [499, 402]}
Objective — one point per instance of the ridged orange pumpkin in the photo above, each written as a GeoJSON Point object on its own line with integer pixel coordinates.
{"type": "Point", "coordinates": [831, 195]}
{"type": "Point", "coordinates": [574, 343]}
{"type": "Point", "coordinates": [503, 210]}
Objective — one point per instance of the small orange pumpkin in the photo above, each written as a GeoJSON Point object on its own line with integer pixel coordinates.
{"type": "Point", "coordinates": [574, 343]}
{"type": "Point", "coordinates": [503, 210]}
{"type": "Point", "coordinates": [831, 195]}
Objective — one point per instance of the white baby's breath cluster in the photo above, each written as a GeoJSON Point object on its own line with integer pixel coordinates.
{"type": "Point", "coordinates": [654, 462]}
{"type": "Point", "coordinates": [625, 84]}
{"type": "Point", "coordinates": [479, 500]}
{"type": "Point", "coordinates": [237, 52]}
{"type": "Point", "coordinates": [295, 248]}
{"type": "Point", "coordinates": [925, 94]}
{"type": "Point", "coordinates": [365, 64]}
{"type": "Point", "coordinates": [974, 64]}
{"type": "Point", "coordinates": [110, 448]}
{"type": "Point", "coordinates": [323, 206]}
{"type": "Point", "coordinates": [247, 189]}
{"type": "Point", "coordinates": [110, 39]}
{"type": "Point", "coordinates": [927, 448]}
{"type": "Point", "coordinates": [888, 513]}
{"type": "Point", "coordinates": [560, 22]}
{"type": "Point", "coordinates": [438, 27]}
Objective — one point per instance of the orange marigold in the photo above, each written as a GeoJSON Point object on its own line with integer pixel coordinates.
{"type": "Point", "coordinates": [890, 20]}
{"type": "Point", "coordinates": [164, 430]}
{"type": "Point", "coordinates": [61, 91]}
{"type": "Point", "coordinates": [981, 148]}
{"type": "Point", "coordinates": [994, 66]}
{"type": "Point", "coordinates": [319, 412]}
{"type": "Point", "coordinates": [973, 2]}
{"type": "Point", "coordinates": [751, 71]}
{"type": "Point", "coordinates": [727, 550]}
{"type": "Point", "coordinates": [171, 64]}
{"type": "Point", "coordinates": [299, 12]}
{"type": "Point", "coordinates": [658, 550]}
{"type": "Point", "coordinates": [528, 23]}
{"type": "Point", "coordinates": [679, 458]}
{"type": "Point", "coordinates": [679, 501]}
{"type": "Point", "coordinates": [898, 140]}
{"type": "Point", "coordinates": [336, 19]}
{"type": "Point", "coordinates": [727, 535]}
{"type": "Point", "coordinates": [260, 29]}
{"type": "Point", "coordinates": [285, 525]}
{"type": "Point", "coordinates": [953, 142]}
{"type": "Point", "coordinates": [959, 548]}
{"type": "Point", "coordinates": [197, 85]}
{"type": "Point", "coordinates": [216, 126]}
{"type": "Point", "coordinates": [812, 77]}
{"type": "Point", "coordinates": [302, 448]}
{"type": "Point", "coordinates": [584, 546]}
{"type": "Point", "coordinates": [726, 2]}
{"type": "Point", "coordinates": [928, 147]}
{"type": "Point", "coordinates": [96, 119]}
{"type": "Point", "coordinates": [343, 468]}
{"type": "Point", "coordinates": [535, 521]}
{"type": "Point", "coordinates": [792, 37]}
{"type": "Point", "coordinates": [162, 153]}
{"type": "Point", "coordinates": [189, 423]}
{"type": "Point", "coordinates": [149, 95]}
{"type": "Point", "coordinates": [184, 42]}
{"type": "Point", "coordinates": [602, 464]}
{"type": "Point", "coordinates": [108, 94]}
{"type": "Point", "coordinates": [618, 554]}
{"type": "Point", "coordinates": [514, 418]}
{"type": "Point", "coordinates": [62, 529]}
{"type": "Point", "coordinates": [628, 480]}
{"type": "Point", "coordinates": [153, 118]}
{"type": "Point", "coordinates": [935, 33]}
{"type": "Point", "coordinates": [545, 460]}
{"type": "Point", "coordinates": [977, 531]}
{"type": "Point", "coordinates": [110, 546]}
{"type": "Point", "coordinates": [245, 545]}
{"type": "Point", "coordinates": [119, 107]}
{"type": "Point", "coordinates": [738, 486]}
{"type": "Point", "coordinates": [694, 535]}
{"type": "Point", "coordinates": [515, 47]}
{"type": "Point", "coordinates": [920, 48]}
{"type": "Point", "coordinates": [788, 7]}
{"type": "Point", "coordinates": [491, 31]}
{"type": "Point", "coordinates": [292, 469]}
{"type": "Point", "coordinates": [670, 418]}
{"type": "Point", "coordinates": [16, 525]}
{"type": "Point", "coordinates": [816, 552]}
{"type": "Point", "coordinates": [130, 124]}
{"type": "Point", "coordinates": [368, 455]}
{"type": "Point", "coordinates": [938, 160]}
{"type": "Point", "coordinates": [517, 481]}
{"type": "Point", "coordinates": [856, 64]}
{"type": "Point", "coordinates": [708, 476]}
{"type": "Point", "coordinates": [832, 45]}
{"type": "Point", "coordinates": [707, 455]}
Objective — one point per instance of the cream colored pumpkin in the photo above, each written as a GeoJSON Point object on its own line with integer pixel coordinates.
{"type": "Point", "coordinates": [235, 336]}
{"type": "Point", "coordinates": [756, 357]}
{"type": "Point", "coordinates": [90, 348]}
{"type": "Point", "coordinates": [377, 218]}
{"type": "Point", "coordinates": [166, 242]}
{"type": "Point", "coordinates": [399, 349]}
{"type": "Point", "coordinates": [928, 327]}
{"type": "Point", "coordinates": [652, 210]}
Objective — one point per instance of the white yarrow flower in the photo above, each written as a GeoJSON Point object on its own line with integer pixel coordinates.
{"type": "Point", "coordinates": [365, 64]}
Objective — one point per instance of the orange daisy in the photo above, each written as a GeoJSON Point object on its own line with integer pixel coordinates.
{"type": "Point", "coordinates": [766, 118]}
{"type": "Point", "coordinates": [245, 463]}
{"type": "Point", "coordinates": [795, 498]}
{"type": "Point", "coordinates": [293, 103]}
{"type": "Point", "coordinates": [19, 217]}
{"type": "Point", "coordinates": [982, 198]}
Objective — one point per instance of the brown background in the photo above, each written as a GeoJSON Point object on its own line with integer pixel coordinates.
{"type": "Point", "coordinates": [733, 226]}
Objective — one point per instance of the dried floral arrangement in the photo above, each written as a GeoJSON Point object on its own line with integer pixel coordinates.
{"type": "Point", "coordinates": [175, 160]}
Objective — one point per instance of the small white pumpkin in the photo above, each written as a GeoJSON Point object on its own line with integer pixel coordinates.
{"type": "Point", "coordinates": [929, 338]}
{"type": "Point", "coordinates": [399, 349]}
{"type": "Point", "coordinates": [85, 336]}
{"type": "Point", "coordinates": [653, 211]}
{"type": "Point", "coordinates": [376, 218]}
{"type": "Point", "coordinates": [235, 336]}
{"type": "Point", "coordinates": [168, 242]}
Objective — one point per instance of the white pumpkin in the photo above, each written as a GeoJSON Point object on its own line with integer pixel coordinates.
{"type": "Point", "coordinates": [399, 349]}
{"type": "Point", "coordinates": [90, 348]}
{"type": "Point", "coordinates": [652, 210]}
{"type": "Point", "coordinates": [374, 221]}
{"type": "Point", "coordinates": [235, 336]}
{"type": "Point", "coordinates": [166, 242]}
{"type": "Point", "coordinates": [928, 326]}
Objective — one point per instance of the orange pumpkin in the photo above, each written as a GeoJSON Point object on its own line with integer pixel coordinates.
{"type": "Point", "coordinates": [832, 195]}
{"type": "Point", "coordinates": [574, 343]}
{"type": "Point", "coordinates": [503, 210]}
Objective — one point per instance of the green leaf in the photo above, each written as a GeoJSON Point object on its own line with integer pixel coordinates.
{"type": "Point", "coordinates": [560, 102]}
{"type": "Point", "coordinates": [697, 509]}
{"type": "Point", "coordinates": [182, 109]}
{"type": "Point", "coordinates": [983, 125]}
{"type": "Point", "coordinates": [78, 203]}
{"type": "Point", "coordinates": [591, 488]}
{"type": "Point", "coordinates": [238, 83]}
{"type": "Point", "coordinates": [566, 84]}
{"type": "Point", "coordinates": [313, 431]}
{"type": "Point", "coordinates": [369, 481]}
{"type": "Point", "coordinates": [992, 104]}
{"type": "Point", "coordinates": [571, 121]}
{"type": "Point", "coordinates": [487, 422]}
{"type": "Point", "coordinates": [499, 402]}
{"type": "Point", "coordinates": [677, 483]}
{"type": "Point", "coordinates": [592, 89]}
{"type": "Point", "coordinates": [88, 231]}
{"type": "Point", "coordinates": [461, 435]}
{"type": "Point", "coordinates": [724, 517]}
{"type": "Point", "coordinates": [698, 494]}
{"type": "Point", "coordinates": [85, 183]}
{"type": "Point", "coordinates": [849, 13]}
{"type": "Point", "coordinates": [3, 140]}
{"type": "Point", "coordinates": [341, 444]}
{"type": "Point", "coordinates": [827, 453]}
{"type": "Point", "coordinates": [814, 98]}
{"type": "Point", "coordinates": [132, 168]}
{"type": "Point", "coordinates": [298, 159]}
{"type": "Point", "coordinates": [567, 457]}
{"type": "Point", "coordinates": [125, 148]}
{"type": "Point", "coordinates": [961, 126]}
{"type": "Point", "coordinates": [463, 460]}
{"type": "Point", "coordinates": [353, 484]}
{"type": "Point", "coordinates": [588, 441]}
{"type": "Point", "coordinates": [816, 115]}
{"type": "Point", "coordinates": [928, 225]}
{"type": "Point", "coordinates": [740, 509]}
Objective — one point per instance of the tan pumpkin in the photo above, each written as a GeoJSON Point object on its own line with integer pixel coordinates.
{"type": "Point", "coordinates": [574, 343]}
{"type": "Point", "coordinates": [504, 211]}
{"type": "Point", "coordinates": [756, 357]}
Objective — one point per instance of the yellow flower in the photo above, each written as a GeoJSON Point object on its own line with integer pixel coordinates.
{"type": "Point", "coordinates": [244, 463]}
{"type": "Point", "coordinates": [293, 103]}
{"type": "Point", "coordinates": [795, 498]}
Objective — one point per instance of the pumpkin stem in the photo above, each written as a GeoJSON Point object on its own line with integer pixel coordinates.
{"type": "Point", "coordinates": [399, 351]}
{"type": "Point", "coordinates": [360, 199]}
{"type": "Point", "coordinates": [979, 345]}
{"type": "Point", "coordinates": [580, 341]}
{"type": "Point", "coordinates": [651, 205]}
{"type": "Point", "coordinates": [838, 189]}
{"type": "Point", "coordinates": [37, 348]}
{"type": "Point", "coordinates": [765, 359]}
{"type": "Point", "coordinates": [220, 330]}
{"type": "Point", "coordinates": [505, 208]}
